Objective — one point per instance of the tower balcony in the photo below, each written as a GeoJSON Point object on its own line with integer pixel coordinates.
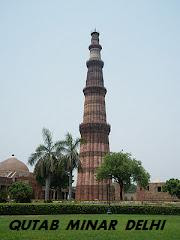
{"type": "Point", "coordinates": [91, 62]}
{"type": "Point", "coordinates": [94, 127]}
{"type": "Point", "coordinates": [94, 89]}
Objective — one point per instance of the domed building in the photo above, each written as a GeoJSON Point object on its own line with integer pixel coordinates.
{"type": "Point", "coordinates": [12, 166]}
{"type": "Point", "coordinates": [12, 170]}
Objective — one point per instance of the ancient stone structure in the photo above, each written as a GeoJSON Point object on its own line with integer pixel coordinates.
{"type": "Point", "coordinates": [12, 167]}
{"type": "Point", "coordinates": [153, 193]}
{"type": "Point", "coordinates": [94, 129]}
{"type": "Point", "coordinates": [13, 170]}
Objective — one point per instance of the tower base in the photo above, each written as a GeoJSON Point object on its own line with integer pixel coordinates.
{"type": "Point", "coordinates": [94, 192]}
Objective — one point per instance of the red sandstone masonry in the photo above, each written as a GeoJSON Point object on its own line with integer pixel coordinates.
{"type": "Point", "coordinates": [94, 129]}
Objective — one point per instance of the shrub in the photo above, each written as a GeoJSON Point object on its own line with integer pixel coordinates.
{"type": "Point", "coordinates": [173, 187]}
{"type": "Point", "coordinates": [3, 196]}
{"type": "Point", "coordinates": [20, 192]}
{"type": "Point", "coordinates": [46, 209]}
{"type": "Point", "coordinates": [48, 201]}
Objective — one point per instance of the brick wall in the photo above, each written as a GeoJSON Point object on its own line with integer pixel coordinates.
{"type": "Point", "coordinates": [154, 193]}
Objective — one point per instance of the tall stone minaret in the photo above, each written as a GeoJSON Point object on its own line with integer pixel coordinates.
{"type": "Point", "coordinates": [94, 129]}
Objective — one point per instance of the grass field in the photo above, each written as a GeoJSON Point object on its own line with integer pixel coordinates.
{"type": "Point", "coordinates": [170, 232]}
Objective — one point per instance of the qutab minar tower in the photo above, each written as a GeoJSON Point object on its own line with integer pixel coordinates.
{"type": "Point", "coordinates": [94, 129]}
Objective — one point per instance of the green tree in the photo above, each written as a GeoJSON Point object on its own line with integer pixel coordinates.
{"type": "Point", "coordinates": [173, 187]}
{"type": "Point", "coordinates": [47, 159]}
{"type": "Point", "coordinates": [3, 195]}
{"type": "Point", "coordinates": [70, 148]}
{"type": "Point", "coordinates": [124, 169]}
{"type": "Point", "coordinates": [59, 182]}
{"type": "Point", "coordinates": [131, 189]}
{"type": "Point", "coordinates": [20, 192]}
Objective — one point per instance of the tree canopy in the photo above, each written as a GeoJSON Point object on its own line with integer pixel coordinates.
{"type": "Point", "coordinates": [124, 169]}
{"type": "Point", "coordinates": [20, 192]}
{"type": "Point", "coordinates": [69, 148]}
{"type": "Point", "coordinates": [55, 162]}
{"type": "Point", "coordinates": [47, 159]}
{"type": "Point", "coordinates": [173, 187]}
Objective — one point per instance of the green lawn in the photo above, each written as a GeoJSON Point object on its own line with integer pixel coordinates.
{"type": "Point", "coordinates": [170, 232]}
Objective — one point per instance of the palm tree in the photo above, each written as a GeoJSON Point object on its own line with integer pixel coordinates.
{"type": "Point", "coordinates": [47, 159]}
{"type": "Point", "coordinates": [69, 147]}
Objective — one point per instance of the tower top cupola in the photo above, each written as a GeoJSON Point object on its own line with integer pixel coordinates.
{"type": "Point", "coordinates": [95, 47]}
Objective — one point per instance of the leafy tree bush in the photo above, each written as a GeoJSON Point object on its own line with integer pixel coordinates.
{"type": "Point", "coordinates": [131, 189]}
{"type": "Point", "coordinates": [124, 169]}
{"type": "Point", "coordinates": [3, 196]}
{"type": "Point", "coordinates": [20, 192]}
{"type": "Point", "coordinates": [173, 187]}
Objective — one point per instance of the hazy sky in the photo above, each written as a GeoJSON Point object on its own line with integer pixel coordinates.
{"type": "Point", "coordinates": [43, 51]}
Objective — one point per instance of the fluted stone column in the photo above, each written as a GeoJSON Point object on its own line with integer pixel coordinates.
{"type": "Point", "coordinates": [94, 129]}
